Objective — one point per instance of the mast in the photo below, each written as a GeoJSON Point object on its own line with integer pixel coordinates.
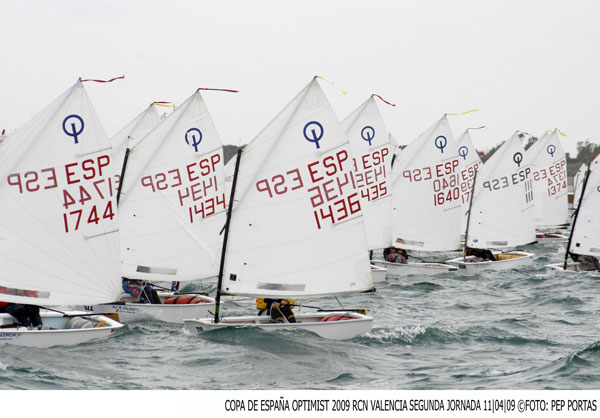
{"type": "Point", "coordinates": [224, 248]}
{"type": "Point", "coordinates": [122, 175]}
{"type": "Point", "coordinates": [585, 180]}
{"type": "Point", "coordinates": [469, 217]}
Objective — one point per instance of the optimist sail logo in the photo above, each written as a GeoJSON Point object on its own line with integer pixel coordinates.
{"type": "Point", "coordinates": [518, 158]}
{"type": "Point", "coordinates": [73, 126]}
{"type": "Point", "coordinates": [440, 143]}
{"type": "Point", "coordinates": [193, 133]}
{"type": "Point", "coordinates": [313, 132]}
{"type": "Point", "coordinates": [463, 152]}
{"type": "Point", "coordinates": [367, 134]}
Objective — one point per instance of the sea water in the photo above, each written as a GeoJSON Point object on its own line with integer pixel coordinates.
{"type": "Point", "coordinates": [515, 329]}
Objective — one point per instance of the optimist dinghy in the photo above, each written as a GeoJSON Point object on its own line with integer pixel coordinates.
{"type": "Point", "coordinates": [58, 226]}
{"type": "Point", "coordinates": [172, 210]}
{"type": "Point", "coordinates": [426, 200]}
{"type": "Point", "coordinates": [295, 229]}
{"type": "Point", "coordinates": [501, 214]}
{"type": "Point", "coordinates": [585, 232]}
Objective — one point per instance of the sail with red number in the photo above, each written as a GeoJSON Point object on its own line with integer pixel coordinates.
{"type": "Point", "coordinates": [173, 199]}
{"type": "Point", "coordinates": [296, 198]}
{"type": "Point", "coordinates": [502, 213]}
{"type": "Point", "coordinates": [58, 222]}
{"type": "Point", "coordinates": [372, 150]}
{"type": "Point", "coordinates": [549, 173]}
{"type": "Point", "coordinates": [426, 192]}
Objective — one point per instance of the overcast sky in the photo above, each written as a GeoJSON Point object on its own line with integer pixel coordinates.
{"type": "Point", "coordinates": [527, 65]}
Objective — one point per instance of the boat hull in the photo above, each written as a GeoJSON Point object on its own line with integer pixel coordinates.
{"type": "Point", "coordinates": [172, 313]}
{"type": "Point", "coordinates": [572, 267]}
{"type": "Point", "coordinates": [334, 330]}
{"type": "Point", "coordinates": [62, 330]}
{"type": "Point", "coordinates": [551, 237]}
{"type": "Point", "coordinates": [378, 273]}
{"type": "Point", "coordinates": [511, 259]}
{"type": "Point", "coordinates": [422, 269]}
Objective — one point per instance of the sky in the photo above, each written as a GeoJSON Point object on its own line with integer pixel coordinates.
{"type": "Point", "coordinates": [526, 65]}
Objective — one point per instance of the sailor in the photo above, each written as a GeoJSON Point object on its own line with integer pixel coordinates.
{"type": "Point", "coordinates": [277, 308]}
{"type": "Point", "coordinates": [27, 315]}
{"type": "Point", "coordinates": [484, 254]}
{"type": "Point", "coordinates": [395, 255]}
{"type": "Point", "coordinates": [144, 291]}
{"type": "Point", "coordinates": [588, 262]}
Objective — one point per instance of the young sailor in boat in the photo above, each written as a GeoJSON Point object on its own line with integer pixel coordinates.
{"type": "Point", "coordinates": [588, 262]}
{"type": "Point", "coordinates": [27, 315]}
{"type": "Point", "coordinates": [277, 308]}
{"type": "Point", "coordinates": [484, 254]}
{"type": "Point", "coordinates": [141, 290]}
{"type": "Point", "coordinates": [395, 255]}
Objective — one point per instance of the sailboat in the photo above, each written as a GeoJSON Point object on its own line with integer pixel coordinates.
{"type": "Point", "coordinates": [502, 214]}
{"type": "Point", "coordinates": [172, 210]}
{"type": "Point", "coordinates": [58, 223]}
{"type": "Point", "coordinates": [426, 200]}
{"type": "Point", "coordinates": [372, 151]}
{"type": "Point", "coordinates": [585, 232]}
{"type": "Point", "coordinates": [549, 171]}
{"type": "Point", "coordinates": [295, 228]}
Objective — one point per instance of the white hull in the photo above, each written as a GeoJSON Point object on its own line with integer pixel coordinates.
{"type": "Point", "coordinates": [62, 330]}
{"type": "Point", "coordinates": [333, 330]}
{"type": "Point", "coordinates": [512, 259]}
{"type": "Point", "coordinates": [572, 267]}
{"type": "Point", "coordinates": [174, 313]}
{"type": "Point", "coordinates": [423, 269]}
{"type": "Point", "coordinates": [378, 273]}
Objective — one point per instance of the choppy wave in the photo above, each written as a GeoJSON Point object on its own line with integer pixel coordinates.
{"type": "Point", "coordinates": [527, 328]}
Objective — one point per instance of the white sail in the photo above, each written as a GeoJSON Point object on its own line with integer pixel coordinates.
{"type": "Point", "coordinates": [549, 170]}
{"type": "Point", "coordinates": [296, 227]}
{"type": "Point", "coordinates": [578, 184]}
{"type": "Point", "coordinates": [131, 133]}
{"type": "Point", "coordinates": [172, 205]}
{"type": "Point", "coordinates": [58, 223]}
{"type": "Point", "coordinates": [372, 152]}
{"type": "Point", "coordinates": [426, 192]}
{"type": "Point", "coordinates": [502, 213]}
{"type": "Point", "coordinates": [586, 232]}
{"type": "Point", "coordinates": [470, 162]}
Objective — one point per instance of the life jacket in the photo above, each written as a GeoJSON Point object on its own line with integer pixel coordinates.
{"type": "Point", "coordinates": [133, 287]}
{"type": "Point", "coordinates": [261, 303]}
{"type": "Point", "coordinates": [184, 300]}
{"type": "Point", "coordinates": [332, 318]}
